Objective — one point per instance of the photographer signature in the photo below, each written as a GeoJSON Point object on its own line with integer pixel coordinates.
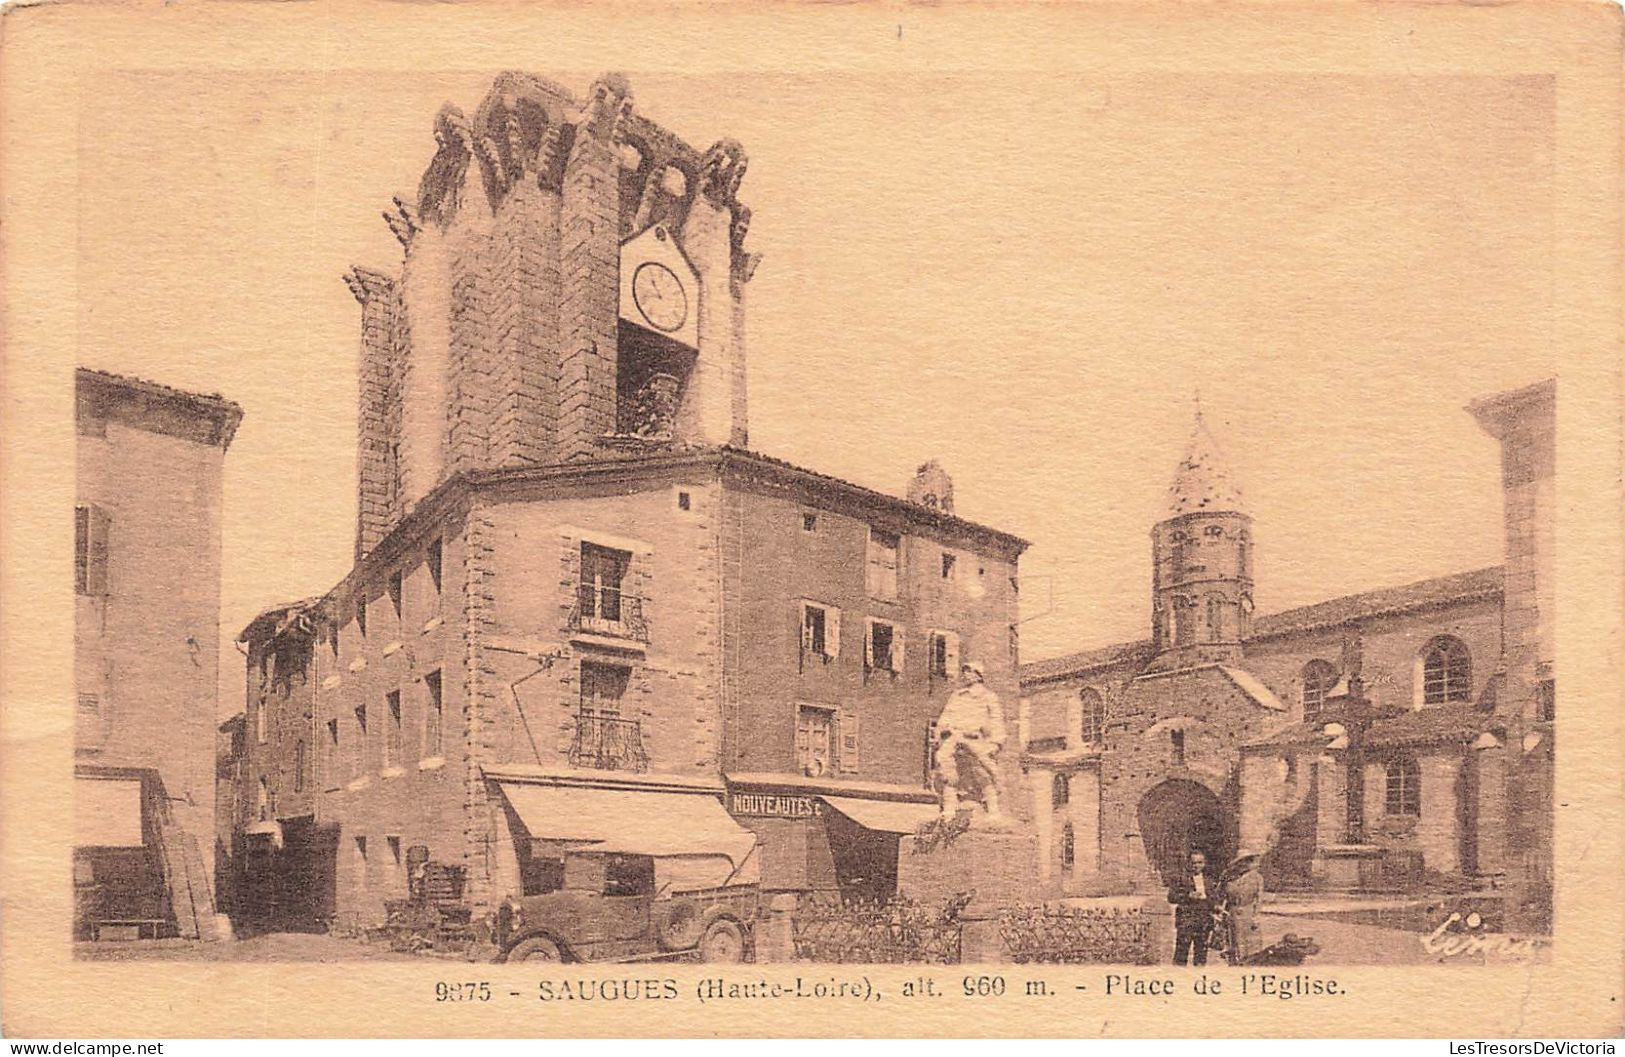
{"type": "Point", "coordinates": [1462, 935]}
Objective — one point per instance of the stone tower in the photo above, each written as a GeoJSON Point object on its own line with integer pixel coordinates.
{"type": "Point", "coordinates": [1202, 562]}
{"type": "Point", "coordinates": [572, 285]}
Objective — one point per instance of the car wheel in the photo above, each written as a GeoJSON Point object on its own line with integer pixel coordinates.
{"type": "Point", "coordinates": [723, 942]}
{"type": "Point", "coordinates": [535, 949]}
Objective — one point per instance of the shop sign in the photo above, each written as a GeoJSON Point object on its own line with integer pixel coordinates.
{"type": "Point", "coordinates": [777, 805]}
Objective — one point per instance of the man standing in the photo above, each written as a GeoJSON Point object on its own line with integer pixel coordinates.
{"type": "Point", "coordinates": [1192, 897]}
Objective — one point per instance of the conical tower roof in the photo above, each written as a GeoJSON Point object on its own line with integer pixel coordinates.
{"type": "Point", "coordinates": [1204, 481]}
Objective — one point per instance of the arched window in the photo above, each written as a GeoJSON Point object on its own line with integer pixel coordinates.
{"type": "Point", "coordinates": [1216, 605]}
{"type": "Point", "coordinates": [1181, 542]}
{"type": "Point", "coordinates": [1447, 671]}
{"type": "Point", "coordinates": [1404, 793]}
{"type": "Point", "coordinates": [1184, 620]}
{"type": "Point", "coordinates": [1318, 678]}
{"type": "Point", "coordinates": [1094, 717]}
{"type": "Point", "coordinates": [1069, 846]}
{"type": "Point", "coordinates": [1060, 789]}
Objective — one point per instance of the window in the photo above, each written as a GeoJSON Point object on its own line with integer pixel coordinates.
{"type": "Point", "coordinates": [815, 741]}
{"type": "Point", "coordinates": [602, 687]}
{"type": "Point", "coordinates": [393, 842]}
{"type": "Point", "coordinates": [90, 532]}
{"type": "Point", "coordinates": [361, 859]}
{"type": "Point", "coordinates": [884, 649]}
{"type": "Point", "coordinates": [1546, 700]}
{"type": "Point", "coordinates": [433, 560]}
{"type": "Point", "coordinates": [262, 800]}
{"type": "Point", "coordinates": [1060, 790]}
{"type": "Point", "coordinates": [948, 562]}
{"type": "Point", "coordinates": [1178, 739]}
{"type": "Point", "coordinates": [359, 757]}
{"type": "Point", "coordinates": [433, 717]}
{"type": "Point", "coordinates": [333, 750]}
{"type": "Point", "coordinates": [395, 584]}
{"type": "Point", "coordinates": [882, 568]}
{"type": "Point", "coordinates": [602, 571]}
{"type": "Point", "coordinates": [1216, 629]}
{"type": "Point", "coordinates": [361, 615]}
{"type": "Point", "coordinates": [392, 729]}
{"type": "Point", "coordinates": [809, 522]}
{"type": "Point", "coordinates": [1184, 620]}
{"type": "Point", "coordinates": [820, 630]}
{"type": "Point", "coordinates": [333, 638]}
{"type": "Point", "coordinates": [299, 767]}
{"type": "Point", "coordinates": [943, 654]}
{"type": "Point", "coordinates": [90, 705]}
{"type": "Point", "coordinates": [1404, 792]}
{"type": "Point", "coordinates": [1447, 672]}
{"type": "Point", "coordinates": [684, 502]}
{"type": "Point", "coordinates": [1093, 729]}
{"type": "Point", "coordinates": [1318, 679]}
{"type": "Point", "coordinates": [1069, 846]}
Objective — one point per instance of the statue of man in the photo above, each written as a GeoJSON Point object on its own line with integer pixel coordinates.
{"type": "Point", "coordinates": [972, 721]}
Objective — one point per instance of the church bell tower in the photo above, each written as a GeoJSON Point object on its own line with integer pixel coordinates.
{"type": "Point", "coordinates": [1202, 561]}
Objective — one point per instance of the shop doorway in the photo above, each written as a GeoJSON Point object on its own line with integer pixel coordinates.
{"type": "Point", "coordinates": [865, 859]}
{"type": "Point", "coordinates": [1178, 817]}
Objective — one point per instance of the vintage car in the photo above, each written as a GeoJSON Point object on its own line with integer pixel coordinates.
{"type": "Point", "coordinates": [631, 907]}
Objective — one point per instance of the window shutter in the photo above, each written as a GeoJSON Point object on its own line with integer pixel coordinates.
{"type": "Point", "coordinates": [897, 648]}
{"type": "Point", "coordinates": [96, 580]}
{"type": "Point", "coordinates": [832, 633]}
{"type": "Point", "coordinates": [806, 629]}
{"type": "Point", "coordinates": [952, 665]}
{"type": "Point", "coordinates": [869, 646]}
{"type": "Point", "coordinates": [848, 750]}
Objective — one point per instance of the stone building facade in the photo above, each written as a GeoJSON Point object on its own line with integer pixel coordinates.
{"type": "Point", "coordinates": [579, 600]}
{"type": "Point", "coordinates": [147, 527]}
{"type": "Point", "coordinates": [1371, 742]}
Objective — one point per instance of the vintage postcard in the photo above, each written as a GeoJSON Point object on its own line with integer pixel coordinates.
{"type": "Point", "coordinates": [875, 520]}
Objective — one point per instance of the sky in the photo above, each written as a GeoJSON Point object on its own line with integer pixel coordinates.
{"type": "Point", "coordinates": [1028, 278]}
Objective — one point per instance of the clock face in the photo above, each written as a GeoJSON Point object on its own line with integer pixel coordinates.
{"type": "Point", "coordinates": [660, 296]}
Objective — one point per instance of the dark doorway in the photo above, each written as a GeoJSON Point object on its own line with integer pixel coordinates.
{"type": "Point", "coordinates": [1178, 817]}
{"type": "Point", "coordinates": [865, 859]}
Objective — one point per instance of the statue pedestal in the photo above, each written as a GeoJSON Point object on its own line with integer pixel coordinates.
{"type": "Point", "coordinates": [1000, 866]}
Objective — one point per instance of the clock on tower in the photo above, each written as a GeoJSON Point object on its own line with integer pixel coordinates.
{"type": "Point", "coordinates": [660, 289]}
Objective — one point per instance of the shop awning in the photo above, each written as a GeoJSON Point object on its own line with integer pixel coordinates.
{"type": "Point", "coordinates": [634, 822]}
{"type": "Point", "coordinates": [107, 812]}
{"type": "Point", "coordinates": [887, 816]}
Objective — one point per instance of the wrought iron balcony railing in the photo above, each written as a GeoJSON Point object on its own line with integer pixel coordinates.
{"type": "Point", "coordinates": [606, 611]}
{"type": "Point", "coordinates": [608, 743]}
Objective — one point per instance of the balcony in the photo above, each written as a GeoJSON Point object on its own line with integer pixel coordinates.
{"type": "Point", "coordinates": [608, 743]}
{"type": "Point", "coordinates": [604, 612]}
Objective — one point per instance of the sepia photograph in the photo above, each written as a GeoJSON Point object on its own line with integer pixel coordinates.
{"type": "Point", "coordinates": [554, 505]}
